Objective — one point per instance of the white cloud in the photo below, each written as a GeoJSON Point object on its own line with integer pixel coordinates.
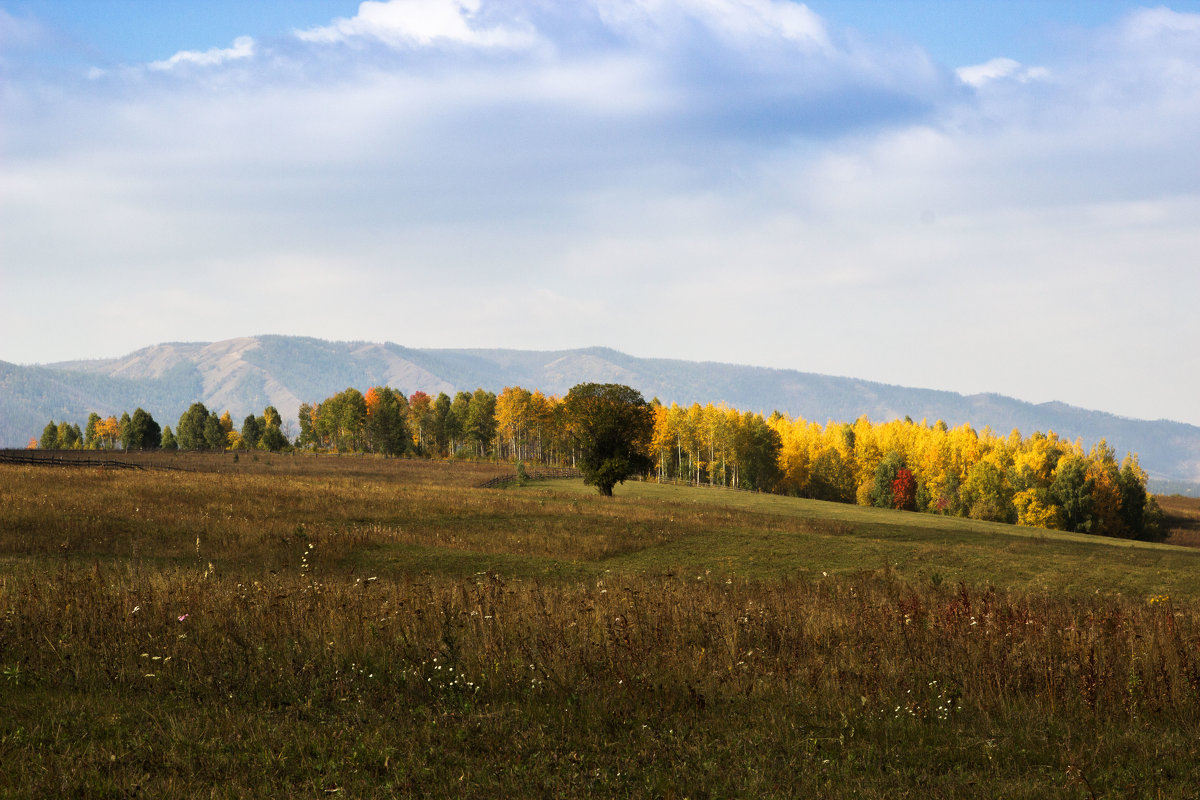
{"type": "Point", "coordinates": [734, 20]}
{"type": "Point", "coordinates": [724, 179]}
{"type": "Point", "coordinates": [420, 22]}
{"type": "Point", "coordinates": [243, 48]}
{"type": "Point", "coordinates": [16, 32]}
{"type": "Point", "coordinates": [1000, 68]}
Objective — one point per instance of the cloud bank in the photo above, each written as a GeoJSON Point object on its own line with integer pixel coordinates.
{"type": "Point", "coordinates": [736, 180]}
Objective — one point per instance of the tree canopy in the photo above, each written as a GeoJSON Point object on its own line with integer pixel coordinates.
{"type": "Point", "coordinates": [613, 426]}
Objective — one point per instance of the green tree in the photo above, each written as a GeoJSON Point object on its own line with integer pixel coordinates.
{"type": "Point", "coordinates": [69, 437]}
{"type": "Point", "coordinates": [252, 431]}
{"type": "Point", "coordinates": [613, 427]}
{"type": "Point", "coordinates": [758, 447]}
{"type": "Point", "coordinates": [1135, 501]}
{"type": "Point", "coordinates": [883, 493]}
{"type": "Point", "coordinates": [273, 439]}
{"type": "Point", "coordinates": [308, 431]}
{"type": "Point", "coordinates": [987, 494]}
{"type": "Point", "coordinates": [441, 424]}
{"type": "Point", "coordinates": [1072, 492]}
{"type": "Point", "coordinates": [168, 439]}
{"type": "Point", "coordinates": [189, 433]}
{"type": "Point", "coordinates": [214, 433]}
{"type": "Point", "coordinates": [481, 421]}
{"type": "Point", "coordinates": [144, 433]}
{"type": "Point", "coordinates": [49, 440]}
{"type": "Point", "coordinates": [91, 440]}
{"type": "Point", "coordinates": [386, 431]}
{"type": "Point", "coordinates": [123, 431]}
{"type": "Point", "coordinates": [831, 477]}
{"type": "Point", "coordinates": [456, 420]}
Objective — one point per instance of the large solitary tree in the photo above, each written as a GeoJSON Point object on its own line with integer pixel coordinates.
{"type": "Point", "coordinates": [612, 426]}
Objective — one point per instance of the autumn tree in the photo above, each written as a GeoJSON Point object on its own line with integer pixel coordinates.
{"type": "Point", "coordinates": [904, 490]}
{"type": "Point", "coordinates": [385, 430]}
{"type": "Point", "coordinates": [107, 431]}
{"type": "Point", "coordinates": [420, 419]}
{"type": "Point", "coordinates": [613, 426]}
{"type": "Point", "coordinates": [512, 421]}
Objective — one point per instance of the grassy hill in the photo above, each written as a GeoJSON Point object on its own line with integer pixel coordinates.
{"type": "Point", "coordinates": [304, 626]}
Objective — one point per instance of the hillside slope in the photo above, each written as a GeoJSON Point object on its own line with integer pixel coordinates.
{"type": "Point", "coordinates": [244, 375]}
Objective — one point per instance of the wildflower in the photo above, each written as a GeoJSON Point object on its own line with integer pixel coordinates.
{"type": "Point", "coordinates": [182, 617]}
{"type": "Point", "coordinates": [136, 609]}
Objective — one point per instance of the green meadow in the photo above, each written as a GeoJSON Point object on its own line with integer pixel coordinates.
{"type": "Point", "coordinates": [323, 627]}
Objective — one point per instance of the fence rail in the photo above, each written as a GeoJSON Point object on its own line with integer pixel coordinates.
{"type": "Point", "coordinates": [60, 458]}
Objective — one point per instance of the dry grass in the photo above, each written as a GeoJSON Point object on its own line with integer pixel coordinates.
{"type": "Point", "coordinates": [268, 660]}
{"type": "Point", "coordinates": [1182, 520]}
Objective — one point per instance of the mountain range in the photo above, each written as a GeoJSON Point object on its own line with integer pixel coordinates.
{"type": "Point", "coordinates": [244, 375]}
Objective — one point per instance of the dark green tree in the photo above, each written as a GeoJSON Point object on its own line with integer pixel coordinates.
{"type": "Point", "coordinates": [90, 440]}
{"type": "Point", "coordinates": [252, 431]}
{"type": "Point", "coordinates": [831, 477]}
{"type": "Point", "coordinates": [440, 423]}
{"type": "Point", "coordinates": [613, 426]}
{"type": "Point", "coordinates": [758, 454]}
{"type": "Point", "coordinates": [1072, 491]}
{"type": "Point", "coordinates": [214, 434]}
{"type": "Point", "coordinates": [69, 437]}
{"type": "Point", "coordinates": [273, 439]}
{"type": "Point", "coordinates": [189, 433]}
{"type": "Point", "coordinates": [882, 491]}
{"type": "Point", "coordinates": [144, 433]}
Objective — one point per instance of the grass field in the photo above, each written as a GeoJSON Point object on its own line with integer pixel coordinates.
{"type": "Point", "coordinates": [293, 626]}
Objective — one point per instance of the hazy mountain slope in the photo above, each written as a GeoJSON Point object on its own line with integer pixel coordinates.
{"type": "Point", "coordinates": [244, 375]}
{"type": "Point", "coordinates": [32, 396]}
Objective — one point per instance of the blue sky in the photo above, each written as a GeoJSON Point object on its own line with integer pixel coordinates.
{"type": "Point", "coordinates": [974, 196]}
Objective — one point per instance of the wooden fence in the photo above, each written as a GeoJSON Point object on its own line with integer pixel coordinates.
{"type": "Point", "coordinates": [76, 458]}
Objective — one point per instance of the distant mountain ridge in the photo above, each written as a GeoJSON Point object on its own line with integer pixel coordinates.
{"type": "Point", "coordinates": [244, 375]}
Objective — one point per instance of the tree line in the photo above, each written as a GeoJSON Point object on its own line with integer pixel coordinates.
{"type": "Point", "coordinates": [197, 429]}
{"type": "Point", "coordinates": [1041, 480]}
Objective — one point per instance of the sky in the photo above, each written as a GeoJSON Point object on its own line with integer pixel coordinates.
{"type": "Point", "coordinates": [972, 196]}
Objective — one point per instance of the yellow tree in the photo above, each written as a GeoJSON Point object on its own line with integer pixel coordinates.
{"type": "Point", "coordinates": [663, 441]}
{"type": "Point", "coordinates": [513, 408]}
{"type": "Point", "coordinates": [107, 431]}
